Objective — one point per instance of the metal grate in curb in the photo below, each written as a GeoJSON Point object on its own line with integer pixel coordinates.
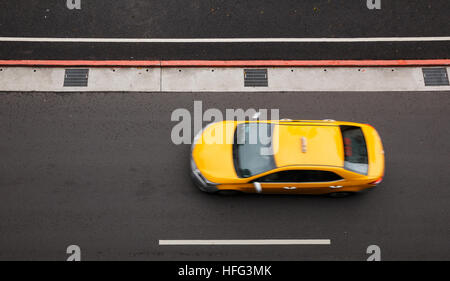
{"type": "Point", "coordinates": [256, 78]}
{"type": "Point", "coordinates": [76, 77]}
{"type": "Point", "coordinates": [435, 76]}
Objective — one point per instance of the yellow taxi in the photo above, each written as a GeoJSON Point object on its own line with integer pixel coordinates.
{"type": "Point", "coordinates": [287, 157]}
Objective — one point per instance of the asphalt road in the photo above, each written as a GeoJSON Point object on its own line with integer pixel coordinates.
{"type": "Point", "coordinates": [99, 170]}
{"type": "Point", "coordinates": [224, 19]}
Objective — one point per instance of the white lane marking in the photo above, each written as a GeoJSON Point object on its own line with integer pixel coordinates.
{"type": "Point", "coordinates": [247, 242]}
{"type": "Point", "coordinates": [223, 40]}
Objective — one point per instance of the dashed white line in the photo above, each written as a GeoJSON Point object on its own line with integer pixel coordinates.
{"type": "Point", "coordinates": [223, 40]}
{"type": "Point", "coordinates": [246, 242]}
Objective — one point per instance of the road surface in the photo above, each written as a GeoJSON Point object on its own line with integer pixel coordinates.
{"type": "Point", "coordinates": [99, 170]}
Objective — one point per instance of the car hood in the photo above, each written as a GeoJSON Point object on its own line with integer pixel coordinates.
{"type": "Point", "coordinates": [375, 150]}
{"type": "Point", "coordinates": [213, 152]}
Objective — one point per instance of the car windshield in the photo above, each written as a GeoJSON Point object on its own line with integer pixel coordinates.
{"type": "Point", "coordinates": [252, 149]}
{"type": "Point", "coordinates": [355, 150]}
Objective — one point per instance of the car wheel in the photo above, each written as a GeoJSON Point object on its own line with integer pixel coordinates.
{"type": "Point", "coordinates": [340, 194]}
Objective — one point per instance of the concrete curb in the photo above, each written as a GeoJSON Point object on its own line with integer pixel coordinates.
{"type": "Point", "coordinates": [217, 79]}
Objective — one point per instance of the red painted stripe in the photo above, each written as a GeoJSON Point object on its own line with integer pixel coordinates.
{"type": "Point", "coordinates": [237, 63]}
{"type": "Point", "coordinates": [224, 63]}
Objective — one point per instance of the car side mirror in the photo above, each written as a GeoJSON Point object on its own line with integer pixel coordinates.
{"type": "Point", "coordinates": [257, 186]}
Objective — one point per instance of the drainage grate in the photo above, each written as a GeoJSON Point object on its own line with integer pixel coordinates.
{"type": "Point", "coordinates": [435, 76]}
{"type": "Point", "coordinates": [76, 77]}
{"type": "Point", "coordinates": [255, 78]}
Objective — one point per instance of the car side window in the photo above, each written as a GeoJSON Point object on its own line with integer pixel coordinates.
{"type": "Point", "coordinates": [283, 176]}
{"type": "Point", "coordinates": [300, 176]}
{"type": "Point", "coordinates": [319, 176]}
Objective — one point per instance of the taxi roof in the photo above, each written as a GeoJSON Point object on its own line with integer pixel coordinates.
{"type": "Point", "coordinates": [308, 144]}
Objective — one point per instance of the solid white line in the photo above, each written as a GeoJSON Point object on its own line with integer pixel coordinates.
{"type": "Point", "coordinates": [247, 242]}
{"type": "Point", "coordinates": [222, 40]}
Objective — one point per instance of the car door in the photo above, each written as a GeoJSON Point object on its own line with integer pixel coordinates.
{"type": "Point", "coordinates": [300, 181]}
{"type": "Point", "coordinates": [278, 182]}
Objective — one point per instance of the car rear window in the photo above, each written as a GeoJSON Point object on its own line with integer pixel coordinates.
{"type": "Point", "coordinates": [355, 150]}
